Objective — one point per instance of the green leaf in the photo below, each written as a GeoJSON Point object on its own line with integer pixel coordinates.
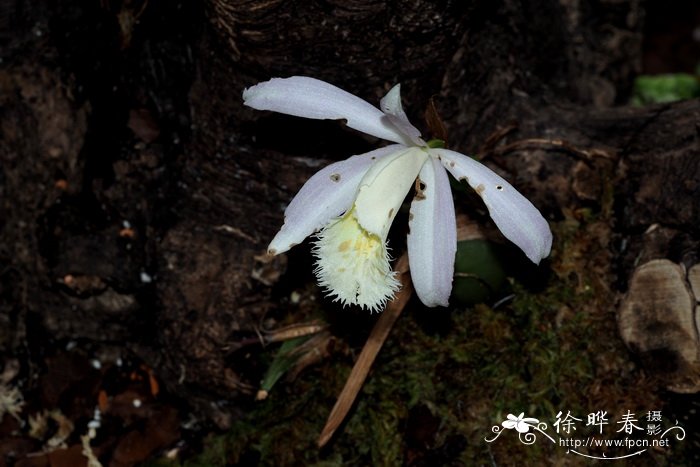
{"type": "Point", "coordinates": [479, 274]}
{"type": "Point", "coordinates": [650, 89]}
{"type": "Point", "coordinates": [285, 359]}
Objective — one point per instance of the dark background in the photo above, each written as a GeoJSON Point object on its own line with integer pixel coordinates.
{"type": "Point", "coordinates": [138, 196]}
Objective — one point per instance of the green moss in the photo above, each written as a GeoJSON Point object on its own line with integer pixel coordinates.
{"type": "Point", "coordinates": [464, 369]}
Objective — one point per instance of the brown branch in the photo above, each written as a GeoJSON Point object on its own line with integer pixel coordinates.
{"type": "Point", "coordinates": [369, 352]}
{"type": "Point", "coordinates": [586, 154]}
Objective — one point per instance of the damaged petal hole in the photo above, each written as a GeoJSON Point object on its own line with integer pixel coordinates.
{"type": "Point", "coordinates": [420, 189]}
{"type": "Point", "coordinates": [335, 177]}
{"type": "Point", "coordinates": [499, 187]}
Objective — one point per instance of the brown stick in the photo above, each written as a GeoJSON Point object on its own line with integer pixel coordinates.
{"type": "Point", "coordinates": [369, 352]}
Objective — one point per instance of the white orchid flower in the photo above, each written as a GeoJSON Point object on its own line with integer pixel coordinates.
{"type": "Point", "coordinates": [352, 203]}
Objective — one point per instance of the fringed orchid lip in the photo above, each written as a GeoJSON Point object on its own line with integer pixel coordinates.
{"type": "Point", "coordinates": [351, 204]}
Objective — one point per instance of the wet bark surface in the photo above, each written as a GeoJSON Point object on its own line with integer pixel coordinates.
{"type": "Point", "coordinates": [138, 194]}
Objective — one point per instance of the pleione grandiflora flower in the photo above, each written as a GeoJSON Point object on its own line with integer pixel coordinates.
{"type": "Point", "coordinates": [351, 204]}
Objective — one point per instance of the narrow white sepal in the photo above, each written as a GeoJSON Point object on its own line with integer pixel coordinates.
{"type": "Point", "coordinates": [327, 194]}
{"type": "Point", "coordinates": [312, 98]}
{"type": "Point", "coordinates": [515, 216]}
{"type": "Point", "coordinates": [432, 238]}
{"type": "Point", "coordinates": [384, 187]}
{"type": "Point", "coordinates": [391, 106]}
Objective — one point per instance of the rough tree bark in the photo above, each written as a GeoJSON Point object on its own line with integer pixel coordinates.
{"type": "Point", "coordinates": [127, 153]}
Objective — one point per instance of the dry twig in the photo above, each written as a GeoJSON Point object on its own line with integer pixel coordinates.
{"type": "Point", "coordinates": [369, 352]}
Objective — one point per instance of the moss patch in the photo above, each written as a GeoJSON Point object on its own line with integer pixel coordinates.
{"type": "Point", "coordinates": [445, 377]}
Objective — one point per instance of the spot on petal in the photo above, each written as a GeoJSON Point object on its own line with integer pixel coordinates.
{"type": "Point", "coordinates": [480, 188]}
{"type": "Point", "coordinates": [335, 177]}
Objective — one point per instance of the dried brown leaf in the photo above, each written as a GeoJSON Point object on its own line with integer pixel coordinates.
{"type": "Point", "coordinates": [369, 352]}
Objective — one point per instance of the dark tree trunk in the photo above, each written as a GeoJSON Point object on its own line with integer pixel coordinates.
{"type": "Point", "coordinates": [139, 194]}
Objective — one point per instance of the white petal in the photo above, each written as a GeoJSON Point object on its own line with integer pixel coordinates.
{"type": "Point", "coordinates": [384, 187]}
{"type": "Point", "coordinates": [328, 194]}
{"type": "Point", "coordinates": [515, 216]}
{"type": "Point", "coordinates": [312, 98]}
{"type": "Point", "coordinates": [432, 238]}
{"type": "Point", "coordinates": [391, 105]}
